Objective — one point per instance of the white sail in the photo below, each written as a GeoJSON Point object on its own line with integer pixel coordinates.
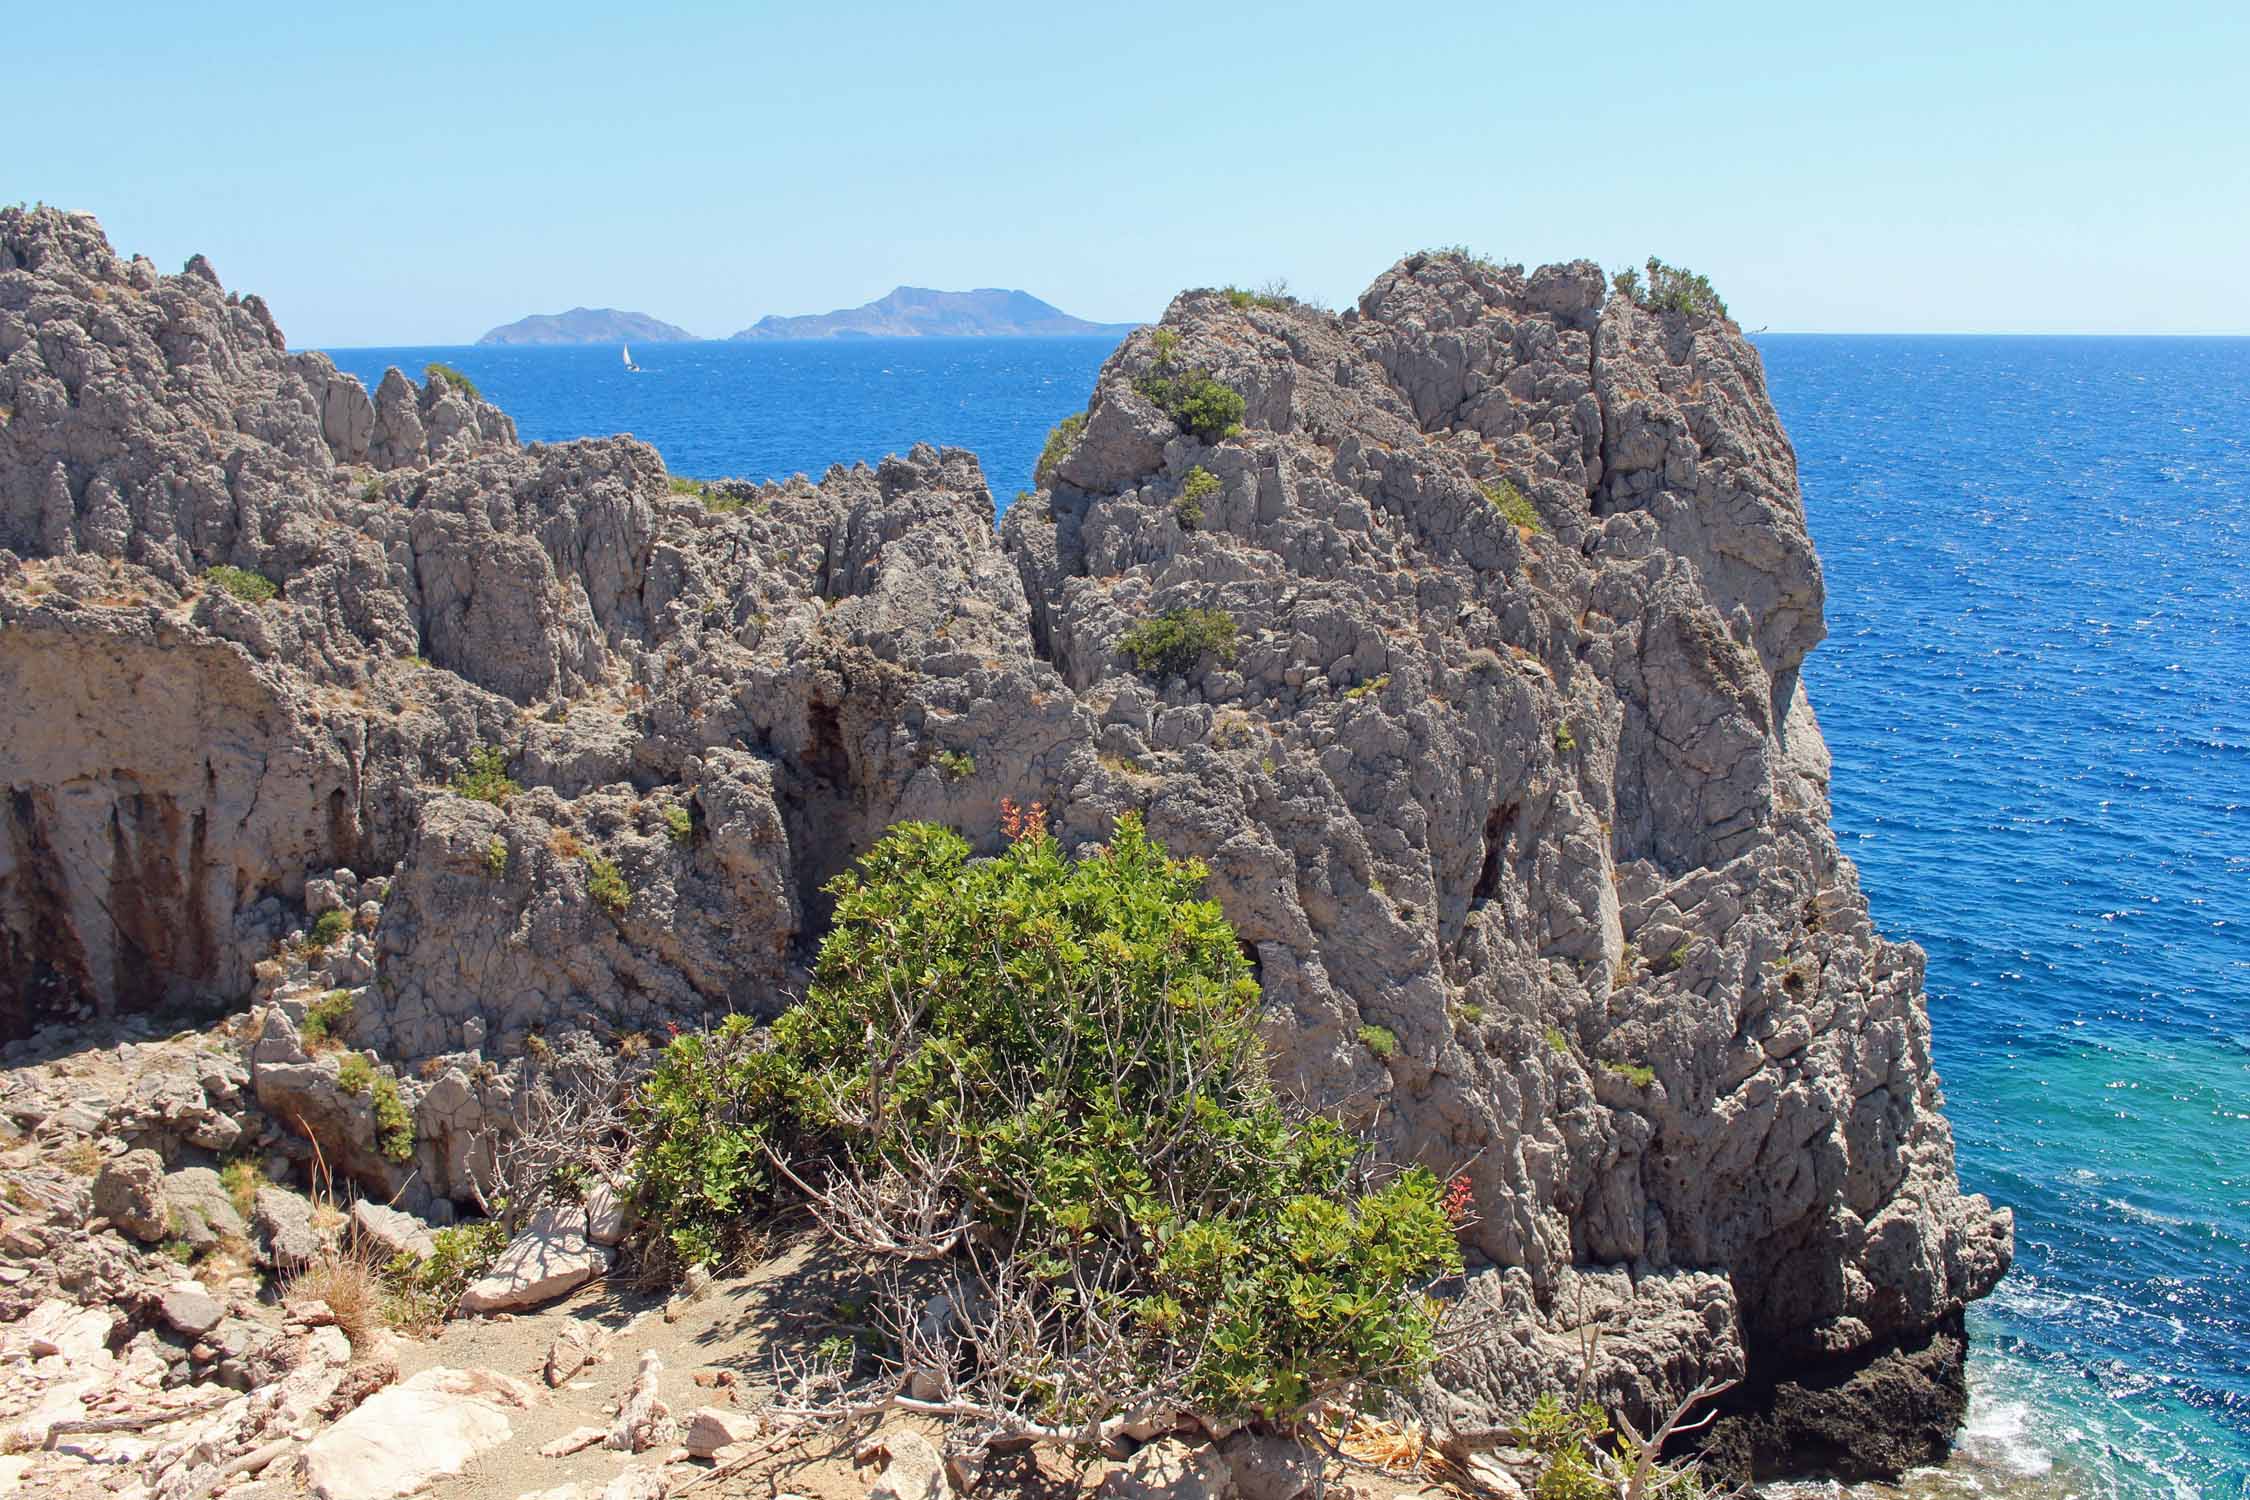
{"type": "Point", "coordinates": [628, 356]}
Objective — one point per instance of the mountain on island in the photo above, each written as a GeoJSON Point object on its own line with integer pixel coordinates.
{"type": "Point", "coordinates": [919, 312]}
{"type": "Point", "coordinates": [588, 325]}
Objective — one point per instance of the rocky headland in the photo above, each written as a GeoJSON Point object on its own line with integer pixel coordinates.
{"type": "Point", "coordinates": [365, 768]}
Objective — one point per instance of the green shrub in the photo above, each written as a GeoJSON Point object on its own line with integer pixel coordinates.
{"type": "Point", "coordinates": [423, 1292]}
{"type": "Point", "coordinates": [1368, 688]}
{"type": "Point", "coordinates": [249, 587]}
{"type": "Point", "coordinates": [394, 1127]}
{"type": "Point", "coordinates": [1201, 485]}
{"type": "Point", "coordinates": [326, 932]}
{"type": "Point", "coordinates": [1059, 443]}
{"type": "Point", "coordinates": [1557, 1043]}
{"type": "Point", "coordinates": [957, 765]}
{"type": "Point", "coordinates": [1274, 294]}
{"type": "Point", "coordinates": [1166, 343]}
{"type": "Point", "coordinates": [606, 884]}
{"type": "Point", "coordinates": [1175, 642]}
{"type": "Point", "coordinates": [327, 1017]}
{"type": "Point", "coordinates": [1565, 741]}
{"type": "Point", "coordinates": [496, 857]}
{"type": "Point", "coordinates": [1670, 289]}
{"type": "Point", "coordinates": [1380, 1040]}
{"type": "Point", "coordinates": [1510, 502]}
{"type": "Point", "coordinates": [356, 1075]}
{"type": "Point", "coordinates": [242, 1178]}
{"type": "Point", "coordinates": [1069, 1050]}
{"type": "Point", "coordinates": [679, 823]}
{"type": "Point", "coordinates": [486, 779]}
{"type": "Point", "coordinates": [1204, 406]}
{"type": "Point", "coordinates": [453, 378]}
{"type": "Point", "coordinates": [1636, 1074]}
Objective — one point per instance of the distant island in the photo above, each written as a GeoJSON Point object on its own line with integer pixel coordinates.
{"type": "Point", "coordinates": [918, 312]}
{"type": "Point", "coordinates": [588, 325]}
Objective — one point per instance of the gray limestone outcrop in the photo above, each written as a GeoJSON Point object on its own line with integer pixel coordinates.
{"type": "Point", "coordinates": [1509, 783]}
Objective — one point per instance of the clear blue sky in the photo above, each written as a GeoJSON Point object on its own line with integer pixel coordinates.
{"type": "Point", "coordinates": [415, 174]}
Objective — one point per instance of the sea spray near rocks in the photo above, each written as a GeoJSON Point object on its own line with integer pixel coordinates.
{"type": "Point", "coordinates": [1538, 798]}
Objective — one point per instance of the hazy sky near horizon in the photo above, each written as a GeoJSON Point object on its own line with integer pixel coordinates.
{"type": "Point", "coordinates": [415, 173]}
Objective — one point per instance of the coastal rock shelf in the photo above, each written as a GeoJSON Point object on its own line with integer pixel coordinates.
{"type": "Point", "coordinates": [1498, 756]}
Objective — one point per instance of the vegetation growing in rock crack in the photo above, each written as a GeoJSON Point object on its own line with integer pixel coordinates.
{"type": "Point", "coordinates": [1202, 486]}
{"type": "Point", "coordinates": [1194, 400]}
{"type": "Point", "coordinates": [249, 587]}
{"type": "Point", "coordinates": [423, 1292]}
{"type": "Point", "coordinates": [606, 884]}
{"type": "Point", "coordinates": [1510, 502]}
{"type": "Point", "coordinates": [327, 1017]}
{"type": "Point", "coordinates": [485, 778]}
{"type": "Point", "coordinates": [1044, 1074]}
{"type": "Point", "coordinates": [1380, 1040]}
{"type": "Point", "coordinates": [679, 824]}
{"type": "Point", "coordinates": [326, 932]}
{"type": "Point", "coordinates": [496, 857]}
{"type": "Point", "coordinates": [1176, 641]}
{"type": "Point", "coordinates": [1058, 446]}
{"type": "Point", "coordinates": [956, 765]}
{"type": "Point", "coordinates": [453, 378]}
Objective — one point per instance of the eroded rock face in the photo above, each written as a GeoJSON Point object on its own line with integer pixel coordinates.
{"type": "Point", "coordinates": [1525, 825]}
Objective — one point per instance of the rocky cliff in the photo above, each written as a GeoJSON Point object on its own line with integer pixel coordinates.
{"type": "Point", "coordinates": [1508, 781]}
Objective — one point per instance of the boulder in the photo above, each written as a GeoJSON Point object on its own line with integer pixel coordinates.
{"type": "Point", "coordinates": [605, 1215]}
{"type": "Point", "coordinates": [402, 1438]}
{"type": "Point", "coordinates": [549, 1258]}
{"type": "Point", "coordinates": [1169, 1469]}
{"type": "Point", "coordinates": [913, 1470]}
{"type": "Point", "coordinates": [129, 1192]}
{"type": "Point", "coordinates": [283, 1221]}
{"type": "Point", "coordinates": [389, 1233]}
{"type": "Point", "coordinates": [188, 1310]}
{"type": "Point", "coordinates": [1265, 1467]}
{"type": "Point", "coordinates": [201, 1207]}
{"type": "Point", "coordinates": [710, 1428]}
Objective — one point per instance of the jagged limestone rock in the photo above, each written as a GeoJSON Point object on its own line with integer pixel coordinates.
{"type": "Point", "coordinates": [1510, 786]}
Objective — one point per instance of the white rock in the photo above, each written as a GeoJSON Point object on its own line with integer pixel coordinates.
{"type": "Point", "coordinates": [550, 1257]}
{"type": "Point", "coordinates": [710, 1428]}
{"type": "Point", "coordinates": [400, 1439]}
{"type": "Point", "coordinates": [915, 1471]}
{"type": "Point", "coordinates": [605, 1216]}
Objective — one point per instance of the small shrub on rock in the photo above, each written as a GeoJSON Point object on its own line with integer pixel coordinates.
{"type": "Point", "coordinates": [1380, 1040]}
{"type": "Point", "coordinates": [486, 777]}
{"type": "Point", "coordinates": [422, 1293]}
{"type": "Point", "coordinates": [679, 823]}
{"type": "Point", "coordinates": [606, 884]}
{"type": "Point", "coordinates": [1202, 486]}
{"type": "Point", "coordinates": [1175, 642]}
{"type": "Point", "coordinates": [394, 1126]}
{"type": "Point", "coordinates": [326, 1018]}
{"type": "Point", "coordinates": [249, 587]}
{"type": "Point", "coordinates": [1197, 402]}
{"type": "Point", "coordinates": [327, 930]}
{"type": "Point", "coordinates": [355, 1075]}
{"type": "Point", "coordinates": [956, 765]}
{"type": "Point", "coordinates": [1510, 502]}
{"type": "Point", "coordinates": [453, 378]}
{"type": "Point", "coordinates": [1058, 446]}
{"type": "Point", "coordinates": [496, 857]}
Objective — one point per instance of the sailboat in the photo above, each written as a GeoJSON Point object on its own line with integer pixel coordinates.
{"type": "Point", "coordinates": [636, 369]}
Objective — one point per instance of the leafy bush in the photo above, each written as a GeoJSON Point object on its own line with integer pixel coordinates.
{"type": "Point", "coordinates": [1059, 443]}
{"type": "Point", "coordinates": [1201, 485]}
{"type": "Point", "coordinates": [486, 778]}
{"type": "Point", "coordinates": [606, 884]}
{"type": "Point", "coordinates": [326, 932]}
{"type": "Point", "coordinates": [1636, 1074]}
{"type": "Point", "coordinates": [1273, 295]}
{"type": "Point", "coordinates": [496, 857]}
{"type": "Point", "coordinates": [249, 587]}
{"type": "Point", "coordinates": [1172, 644]}
{"type": "Point", "coordinates": [957, 765]}
{"type": "Point", "coordinates": [1204, 406]}
{"type": "Point", "coordinates": [1510, 502]}
{"type": "Point", "coordinates": [679, 824]}
{"type": "Point", "coordinates": [1068, 1072]}
{"type": "Point", "coordinates": [1369, 688]}
{"type": "Point", "coordinates": [1670, 289]}
{"type": "Point", "coordinates": [453, 378]}
{"type": "Point", "coordinates": [356, 1076]}
{"type": "Point", "coordinates": [326, 1017]}
{"type": "Point", "coordinates": [1565, 741]}
{"type": "Point", "coordinates": [394, 1127]}
{"type": "Point", "coordinates": [1380, 1040]}
{"type": "Point", "coordinates": [423, 1292]}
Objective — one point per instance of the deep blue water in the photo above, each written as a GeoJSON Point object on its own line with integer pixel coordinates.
{"type": "Point", "coordinates": [761, 410]}
{"type": "Point", "coordinates": [2037, 689]}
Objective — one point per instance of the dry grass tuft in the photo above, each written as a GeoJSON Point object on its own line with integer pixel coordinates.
{"type": "Point", "coordinates": [352, 1286]}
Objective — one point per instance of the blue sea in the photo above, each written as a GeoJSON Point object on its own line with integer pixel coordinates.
{"type": "Point", "coordinates": [2036, 685]}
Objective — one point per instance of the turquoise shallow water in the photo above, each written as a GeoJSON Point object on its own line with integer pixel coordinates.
{"type": "Point", "coordinates": [2037, 689]}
